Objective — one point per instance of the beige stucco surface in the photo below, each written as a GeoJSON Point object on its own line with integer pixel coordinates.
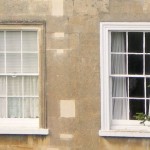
{"type": "Point", "coordinates": [72, 70]}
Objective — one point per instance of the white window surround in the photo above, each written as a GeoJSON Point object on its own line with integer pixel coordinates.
{"type": "Point", "coordinates": [109, 127]}
{"type": "Point", "coordinates": [31, 126]}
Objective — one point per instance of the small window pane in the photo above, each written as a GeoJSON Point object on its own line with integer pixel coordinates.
{"type": "Point", "coordinates": [15, 107]}
{"type": "Point", "coordinates": [30, 63]}
{"type": "Point", "coordinates": [119, 87]}
{"type": "Point", "coordinates": [2, 63]}
{"type": "Point", "coordinates": [31, 106]}
{"type": "Point", "coordinates": [135, 42]}
{"type": "Point", "coordinates": [147, 87]}
{"type": "Point", "coordinates": [136, 106]}
{"type": "Point", "coordinates": [14, 86]}
{"type": "Point", "coordinates": [147, 42]}
{"type": "Point", "coordinates": [121, 105]}
{"type": "Point", "coordinates": [2, 86]}
{"type": "Point", "coordinates": [148, 107]}
{"type": "Point", "coordinates": [147, 64]}
{"type": "Point", "coordinates": [135, 64]}
{"type": "Point", "coordinates": [13, 63]}
{"type": "Point", "coordinates": [136, 87]}
{"type": "Point", "coordinates": [31, 86]}
{"type": "Point", "coordinates": [2, 107]}
{"type": "Point", "coordinates": [1, 41]}
{"type": "Point", "coordinates": [118, 64]}
{"type": "Point", "coordinates": [29, 41]}
{"type": "Point", "coordinates": [13, 41]}
{"type": "Point", "coordinates": [118, 42]}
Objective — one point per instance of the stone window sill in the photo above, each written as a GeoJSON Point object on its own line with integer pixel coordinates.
{"type": "Point", "coordinates": [133, 134]}
{"type": "Point", "coordinates": [24, 131]}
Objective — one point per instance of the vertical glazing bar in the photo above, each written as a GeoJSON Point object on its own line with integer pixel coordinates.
{"type": "Point", "coordinates": [127, 51]}
{"type": "Point", "coordinates": [6, 96]}
{"type": "Point", "coordinates": [144, 70]}
{"type": "Point", "coordinates": [145, 93]}
{"type": "Point", "coordinates": [22, 77]}
{"type": "Point", "coordinates": [144, 53]}
{"type": "Point", "coordinates": [5, 74]}
{"type": "Point", "coordinates": [110, 78]}
{"type": "Point", "coordinates": [21, 54]}
{"type": "Point", "coordinates": [128, 116]}
{"type": "Point", "coordinates": [23, 97]}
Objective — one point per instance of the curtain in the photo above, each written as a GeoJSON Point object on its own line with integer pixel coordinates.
{"type": "Point", "coordinates": [22, 99]}
{"type": "Point", "coordinates": [119, 84]}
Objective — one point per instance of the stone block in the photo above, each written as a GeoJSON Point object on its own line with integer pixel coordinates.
{"type": "Point", "coordinates": [67, 108]}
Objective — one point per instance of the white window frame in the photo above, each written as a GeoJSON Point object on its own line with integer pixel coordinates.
{"type": "Point", "coordinates": [109, 127]}
{"type": "Point", "coordinates": [33, 126]}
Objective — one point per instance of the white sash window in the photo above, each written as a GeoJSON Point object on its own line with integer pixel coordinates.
{"type": "Point", "coordinates": [20, 81]}
{"type": "Point", "coordinates": [125, 78]}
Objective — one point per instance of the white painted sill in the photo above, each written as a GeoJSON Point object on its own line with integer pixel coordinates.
{"type": "Point", "coordinates": [118, 133]}
{"type": "Point", "coordinates": [25, 126]}
{"type": "Point", "coordinates": [24, 131]}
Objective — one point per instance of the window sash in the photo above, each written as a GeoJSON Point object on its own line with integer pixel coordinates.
{"type": "Point", "coordinates": [105, 28]}
{"type": "Point", "coordinates": [24, 49]}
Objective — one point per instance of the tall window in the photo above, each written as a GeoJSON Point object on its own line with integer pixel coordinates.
{"type": "Point", "coordinates": [125, 76]}
{"type": "Point", "coordinates": [22, 72]}
{"type": "Point", "coordinates": [19, 96]}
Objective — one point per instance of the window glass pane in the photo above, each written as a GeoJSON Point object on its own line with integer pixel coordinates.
{"type": "Point", "coordinates": [14, 86]}
{"type": "Point", "coordinates": [1, 41]}
{"type": "Point", "coordinates": [147, 64]}
{"type": "Point", "coordinates": [136, 87]}
{"type": "Point", "coordinates": [30, 63]}
{"type": "Point", "coordinates": [118, 41]}
{"type": "Point", "coordinates": [147, 42]}
{"type": "Point", "coordinates": [118, 64]}
{"type": "Point", "coordinates": [135, 64]}
{"type": "Point", "coordinates": [147, 87]}
{"type": "Point", "coordinates": [2, 63]}
{"type": "Point", "coordinates": [31, 106]}
{"type": "Point", "coordinates": [13, 41]}
{"type": "Point", "coordinates": [119, 87]}
{"type": "Point", "coordinates": [136, 106]}
{"type": "Point", "coordinates": [13, 63]}
{"type": "Point", "coordinates": [120, 109]}
{"type": "Point", "coordinates": [29, 41]}
{"type": "Point", "coordinates": [2, 107]}
{"type": "Point", "coordinates": [15, 107]}
{"type": "Point", "coordinates": [135, 42]}
{"type": "Point", "coordinates": [2, 86]}
{"type": "Point", "coordinates": [31, 86]}
{"type": "Point", "coordinates": [148, 107]}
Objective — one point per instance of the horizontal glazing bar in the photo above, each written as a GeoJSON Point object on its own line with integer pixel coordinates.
{"type": "Point", "coordinates": [123, 75]}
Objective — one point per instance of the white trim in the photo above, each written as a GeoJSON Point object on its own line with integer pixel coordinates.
{"type": "Point", "coordinates": [21, 126]}
{"type": "Point", "coordinates": [24, 131]}
{"type": "Point", "coordinates": [106, 124]}
{"type": "Point", "coordinates": [116, 133]}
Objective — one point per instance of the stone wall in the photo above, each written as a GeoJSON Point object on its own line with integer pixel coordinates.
{"type": "Point", "coordinates": [72, 70]}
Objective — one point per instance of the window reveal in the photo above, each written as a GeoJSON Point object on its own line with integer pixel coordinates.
{"type": "Point", "coordinates": [130, 74]}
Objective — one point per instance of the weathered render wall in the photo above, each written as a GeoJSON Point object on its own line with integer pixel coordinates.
{"type": "Point", "coordinates": [72, 70]}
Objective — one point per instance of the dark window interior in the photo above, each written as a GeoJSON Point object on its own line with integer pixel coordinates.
{"type": "Point", "coordinates": [148, 87]}
{"type": "Point", "coordinates": [136, 87]}
{"type": "Point", "coordinates": [135, 42]}
{"type": "Point", "coordinates": [136, 106]}
{"type": "Point", "coordinates": [147, 42]}
{"type": "Point", "coordinates": [147, 64]}
{"type": "Point", "coordinates": [135, 64]}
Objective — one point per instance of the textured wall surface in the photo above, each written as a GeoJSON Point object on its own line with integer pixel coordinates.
{"type": "Point", "coordinates": [72, 70]}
